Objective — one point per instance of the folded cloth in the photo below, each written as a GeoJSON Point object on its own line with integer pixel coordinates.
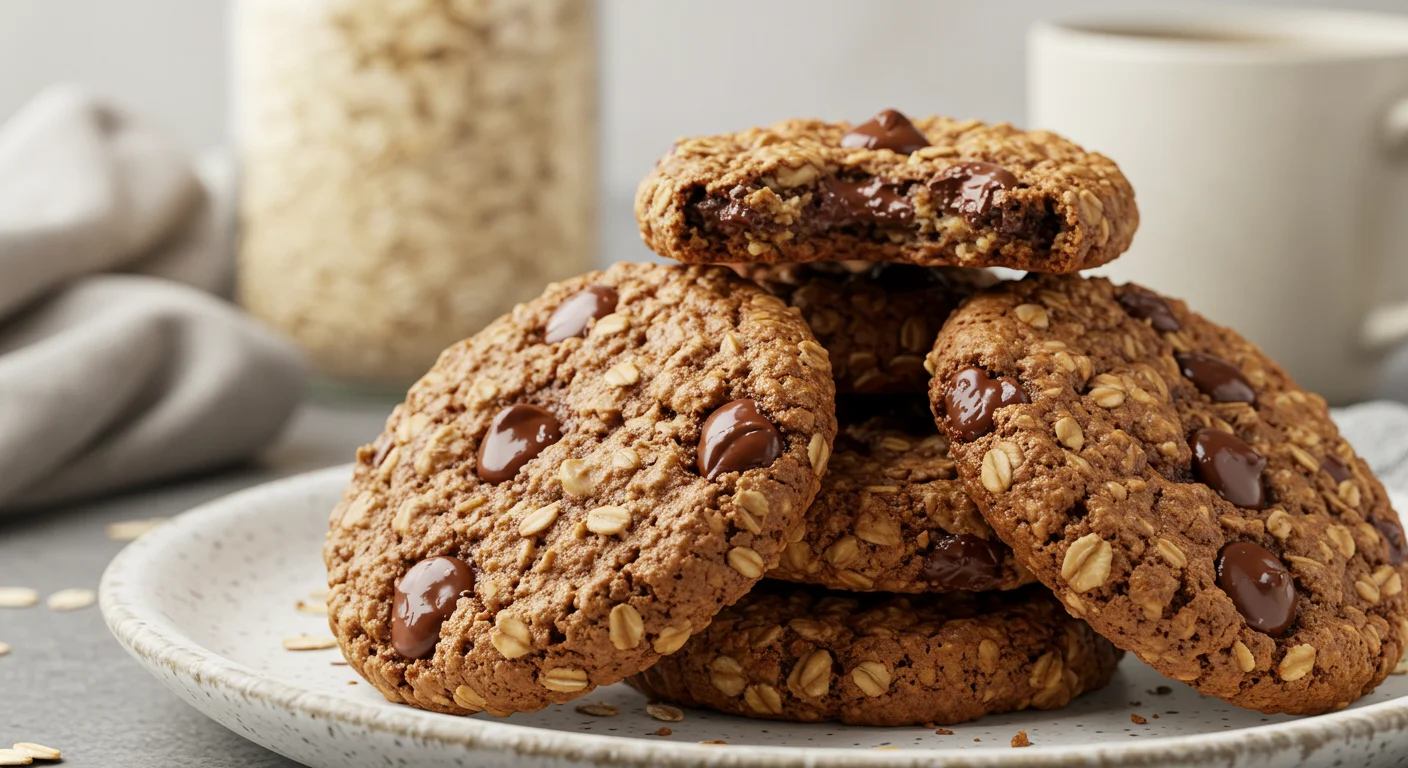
{"type": "Point", "coordinates": [108, 379]}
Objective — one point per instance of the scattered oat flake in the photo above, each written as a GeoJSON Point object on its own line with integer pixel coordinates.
{"type": "Point", "coordinates": [38, 751]}
{"type": "Point", "coordinates": [131, 530]}
{"type": "Point", "coordinates": [1137, 719]}
{"type": "Point", "coordinates": [665, 712]}
{"type": "Point", "coordinates": [309, 643]}
{"type": "Point", "coordinates": [14, 757]}
{"type": "Point", "coordinates": [316, 609]}
{"type": "Point", "coordinates": [319, 594]}
{"type": "Point", "coordinates": [664, 731]}
{"type": "Point", "coordinates": [17, 597]}
{"type": "Point", "coordinates": [71, 599]}
{"type": "Point", "coordinates": [1021, 740]}
{"type": "Point", "coordinates": [599, 709]}
{"type": "Point", "coordinates": [943, 732]}
{"type": "Point", "coordinates": [4, 648]}
{"type": "Point", "coordinates": [338, 663]}
{"type": "Point", "coordinates": [714, 741]}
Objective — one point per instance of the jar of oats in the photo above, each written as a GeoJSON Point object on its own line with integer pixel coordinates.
{"type": "Point", "coordinates": [411, 168]}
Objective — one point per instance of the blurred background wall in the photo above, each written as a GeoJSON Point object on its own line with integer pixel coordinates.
{"type": "Point", "coordinates": [668, 68]}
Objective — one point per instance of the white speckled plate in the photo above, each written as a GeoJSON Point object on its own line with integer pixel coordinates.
{"type": "Point", "coordinates": [205, 602]}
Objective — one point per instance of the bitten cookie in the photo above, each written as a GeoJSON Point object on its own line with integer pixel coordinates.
{"type": "Point", "coordinates": [876, 321]}
{"type": "Point", "coordinates": [892, 514]}
{"type": "Point", "coordinates": [1176, 489]}
{"type": "Point", "coordinates": [578, 488]}
{"type": "Point", "coordinates": [805, 655]}
{"type": "Point", "coordinates": [932, 192]}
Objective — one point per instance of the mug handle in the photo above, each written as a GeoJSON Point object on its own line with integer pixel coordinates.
{"type": "Point", "coordinates": [1387, 325]}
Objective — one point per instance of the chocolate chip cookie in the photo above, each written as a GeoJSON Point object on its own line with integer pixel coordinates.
{"type": "Point", "coordinates": [1176, 489]}
{"type": "Point", "coordinates": [892, 514]}
{"type": "Point", "coordinates": [578, 488]}
{"type": "Point", "coordinates": [876, 321]}
{"type": "Point", "coordinates": [934, 191]}
{"type": "Point", "coordinates": [805, 655]}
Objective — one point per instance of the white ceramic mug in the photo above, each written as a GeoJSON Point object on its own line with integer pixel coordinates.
{"type": "Point", "coordinates": [1268, 150]}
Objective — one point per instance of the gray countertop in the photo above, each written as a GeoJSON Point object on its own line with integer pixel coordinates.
{"type": "Point", "coordinates": [67, 683]}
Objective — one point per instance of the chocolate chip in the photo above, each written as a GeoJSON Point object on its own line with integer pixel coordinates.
{"type": "Point", "coordinates": [1230, 467]}
{"type": "Point", "coordinates": [887, 130]}
{"type": "Point", "coordinates": [843, 203]}
{"type": "Point", "coordinates": [516, 435]}
{"type": "Point", "coordinates": [1215, 377]}
{"type": "Point", "coordinates": [1338, 468]}
{"type": "Point", "coordinates": [573, 315]}
{"type": "Point", "coordinates": [424, 598]}
{"type": "Point", "coordinates": [973, 397]}
{"type": "Point", "coordinates": [1393, 534]}
{"type": "Point", "coordinates": [1146, 305]}
{"type": "Point", "coordinates": [971, 188]}
{"type": "Point", "coordinates": [736, 438]}
{"type": "Point", "coordinates": [964, 562]}
{"type": "Point", "coordinates": [1259, 585]}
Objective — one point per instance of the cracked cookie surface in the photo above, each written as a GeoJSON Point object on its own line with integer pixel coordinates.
{"type": "Point", "coordinates": [892, 514]}
{"type": "Point", "coordinates": [577, 489]}
{"type": "Point", "coordinates": [934, 192]}
{"type": "Point", "coordinates": [806, 655]}
{"type": "Point", "coordinates": [1176, 489]}
{"type": "Point", "coordinates": [876, 321]}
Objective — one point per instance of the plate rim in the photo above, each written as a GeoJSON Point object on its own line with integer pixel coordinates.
{"type": "Point", "coordinates": [155, 639]}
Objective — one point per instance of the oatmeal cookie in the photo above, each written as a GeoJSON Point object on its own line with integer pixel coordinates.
{"type": "Point", "coordinates": [876, 321]}
{"type": "Point", "coordinates": [806, 655]}
{"type": "Point", "coordinates": [578, 488]}
{"type": "Point", "coordinates": [932, 192]}
{"type": "Point", "coordinates": [892, 514]}
{"type": "Point", "coordinates": [1176, 489]}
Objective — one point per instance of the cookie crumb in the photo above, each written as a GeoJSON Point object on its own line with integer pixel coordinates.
{"type": "Point", "coordinates": [131, 530]}
{"type": "Point", "coordinates": [942, 732]}
{"type": "Point", "coordinates": [1136, 703]}
{"type": "Point", "coordinates": [1162, 690]}
{"type": "Point", "coordinates": [665, 712]}
{"type": "Point", "coordinates": [663, 731]}
{"type": "Point", "coordinates": [338, 663]}
{"type": "Point", "coordinates": [1156, 715]}
{"type": "Point", "coordinates": [38, 751]}
{"type": "Point", "coordinates": [975, 738]}
{"type": "Point", "coordinates": [309, 607]}
{"type": "Point", "coordinates": [351, 682]}
{"type": "Point", "coordinates": [1020, 740]}
{"type": "Point", "coordinates": [309, 643]}
{"type": "Point", "coordinates": [714, 742]}
{"type": "Point", "coordinates": [71, 599]}
{"type": "Point", "coordinates": [599, 709]}
{"type": "Point", "coordinates": [17, 597]}
{"type": "Point", "coordinates": [1137, 719]}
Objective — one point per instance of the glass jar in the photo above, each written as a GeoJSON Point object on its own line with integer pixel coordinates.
{"type": "Point", "coordinates": [411, 169]}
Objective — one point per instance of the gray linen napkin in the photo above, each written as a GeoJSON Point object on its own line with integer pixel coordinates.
{"type": "Point", "coordinates": [117, 368]}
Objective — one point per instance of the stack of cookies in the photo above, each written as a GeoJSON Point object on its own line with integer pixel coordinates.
{"type": "Point", "coordinates": [854, 477]}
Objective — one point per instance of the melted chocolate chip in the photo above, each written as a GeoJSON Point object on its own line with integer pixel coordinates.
{"type": "Point", "coordinates": [964, 562]}
{"type": "Point", "coordinates": [1393, 534]}
{"type": "Point", "coordinates": [574, 315]}
{"type": "Point", "coordinates": [843, 203]}
{"type": "Point", "coordinates": [971, 188]}
{"type": "Point", "coordinates": [887, 130]}
{"type": "Point", "coordinates": [1259, 585]}
{"type": "Point", "coordinates": [729, 215]}
{"type": "Point", "coordinates": [1145, 305]}
{"type": "Point", "coordinates": [1338, 468]}
{"type": "Point", "coordinates": [1215, 377]}
{"type": "Point", "coordinates": [737, 438]}
{"type": "Point", "coordinates": [1230, 467]}
{"type": "Point", "coordinates": [973, 397]}
{"type": "Point", "coordinates": [516, 435]}
{"type": "Point", "coordinates": [424, 598]}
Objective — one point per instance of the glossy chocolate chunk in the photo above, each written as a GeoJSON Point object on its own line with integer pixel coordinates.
{"type": "Point", "coordinates": [1337, 467]}
{"type": "Point", "coordinates": [1393, 534]}
{"type": "Point", "coordinates": [516, 435]}
{"type": "Point", "coordinates": [971, 188]}
{"type": "Point", "coordinates": [1260, 586]}
{"type": "Point", "coordinates": [843, 203]}
{"type": "Point", "coordinates": [1230, 467]}
{"type": "Point", "coordinates": [964, 562]}
{"type": "Point", "coordinates": [424, 598]}
{"type": "Point", "coordinates": [1215, 377]}
{"type": "Point", "coordinates": [887, 130]}
{"type": "Point", "coordinates": [973, 397]}
{"type": "Point", "coordinates": [574, 315]}
{"type": "Point", "coordinates": [736, 438]}
{"type": "Point", "coordinates": [1149, 306]}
